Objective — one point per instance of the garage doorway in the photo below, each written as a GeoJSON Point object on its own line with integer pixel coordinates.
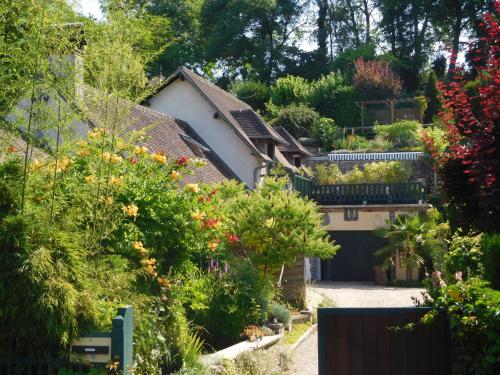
{"type": "Point", "coordinates": [355, 259]}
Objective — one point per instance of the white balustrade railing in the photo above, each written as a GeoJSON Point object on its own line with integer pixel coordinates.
{"type": "Point", "coordinates": [363, 156]}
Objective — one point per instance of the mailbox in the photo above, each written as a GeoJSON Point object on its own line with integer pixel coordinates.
{"type": "Point", "coordinates": [92, 348]}
{"type": "Point", "coordinates": [103, 347]}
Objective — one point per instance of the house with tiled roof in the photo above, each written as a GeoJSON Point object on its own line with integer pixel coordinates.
{"type": "Point", "coordinates": [162, 134]}
{"type": "Point", "coordinates": [230, 127]}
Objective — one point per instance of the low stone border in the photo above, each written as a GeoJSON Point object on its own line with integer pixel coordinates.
{"type": "Point", "coordinates": [302, 338]}
{"type": "Point", "coordinates": [232, 352]}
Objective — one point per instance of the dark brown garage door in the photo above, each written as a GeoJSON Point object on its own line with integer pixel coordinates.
{"type": "Point", "coordinates": [355, 259]}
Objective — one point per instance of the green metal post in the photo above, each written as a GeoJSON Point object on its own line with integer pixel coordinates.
{"type": "Point", "coordinates": [121, 340]}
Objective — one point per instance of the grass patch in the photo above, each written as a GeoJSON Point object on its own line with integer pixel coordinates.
{"type": "Point", "coordinates": [297, 331]}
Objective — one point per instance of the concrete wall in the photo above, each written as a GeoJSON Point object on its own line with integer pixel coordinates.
{"type": "Point", "coordinates": [182, 101]}
{"type": "Point", "coordinates": [369, 217]}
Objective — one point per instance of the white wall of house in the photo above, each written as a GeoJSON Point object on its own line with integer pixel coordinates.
{"type": "Point", "coordinates": [182, 101]}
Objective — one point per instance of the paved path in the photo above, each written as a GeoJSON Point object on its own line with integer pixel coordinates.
{"type": "Point", "coordinates": [305, 358]}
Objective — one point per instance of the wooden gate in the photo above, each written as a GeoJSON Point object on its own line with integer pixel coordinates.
{"type": "Point", "coordinates": [361, 341]}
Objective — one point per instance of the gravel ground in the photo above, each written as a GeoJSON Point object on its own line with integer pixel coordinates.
{"type": "Point", "coordinates": [363, 295]}
{"type": "Point", "coordinates": [305, 357]}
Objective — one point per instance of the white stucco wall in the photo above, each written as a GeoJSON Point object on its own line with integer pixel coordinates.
{"type": "Point", "coordinates": [182, 101]}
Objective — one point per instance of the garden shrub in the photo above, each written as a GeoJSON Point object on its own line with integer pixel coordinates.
{"type": "Point", "coordinates": [400, 134]}
{"type": "Point", "coordinates": [353, 142]}
{"type": "Point", "coordinates": [323, 94]}
{"type": "Point", "coordinates": [233, 293]}
{"type": "Point", "coordinates": [343, 109]}
{"type": "Point", "coordinates": [376, 80]}
{"type": "Point", "coordinates": [490, 246]}
{"type": "Point", "coordinates": [464, 255]}
{"type": "Point", "coordinates": [72, 260]}
{"type": "Point", "coordinates": [473, 311]}
{"type": "Point", "coordinates": [280, 313]}
{"type": "Point", "coordinates": [288, 90]}
{"type": "Point", "coordinates": [326, 131]}
{"type": "Point", "coordinates": [434, 140]}
{"type": "Point", "coordinates": [254, 93]}
{"type": "Point", "coordinates": [274, 225]}
{"type": "Point", "coordinates": [376, 172]}
{"type": "Point", "coordinates": [298, 119]}
{"type": "Point", "coordinates": [257, 362]}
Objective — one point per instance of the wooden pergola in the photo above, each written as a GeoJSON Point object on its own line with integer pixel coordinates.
{"type": "Point", "coordinates": [391, 103]}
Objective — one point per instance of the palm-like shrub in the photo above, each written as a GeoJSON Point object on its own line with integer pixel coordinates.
{"type": "Point", "coordinates": [417, 239]}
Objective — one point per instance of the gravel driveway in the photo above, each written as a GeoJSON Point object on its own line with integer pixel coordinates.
{"type": "Point", "coordinates": [362, 295]}
{"type": "Point", "coordinates": [305, 358]}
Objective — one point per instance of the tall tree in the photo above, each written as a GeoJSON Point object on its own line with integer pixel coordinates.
{"type": "Point", "coordinates": [407, 29]}
{"type": "Point", "coordinates": [350, 23]}
{"type": "Point", "coordinates": [454, 17]}
{"type": "Point", "coordinates": [256, 35]}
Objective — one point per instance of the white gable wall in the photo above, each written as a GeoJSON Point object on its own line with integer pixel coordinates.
{"type": "Point", "coordinates": [180, 100]}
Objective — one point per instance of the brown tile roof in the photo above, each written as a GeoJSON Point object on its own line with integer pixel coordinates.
{"type": "Point", "coordinates": [247, 123]}
{"type": "Point", "coordinates": [164, 133]}
{"type": "Point", "coordinates": [8, 138]}
{"type": "Point", "coordinates": [293, 146]}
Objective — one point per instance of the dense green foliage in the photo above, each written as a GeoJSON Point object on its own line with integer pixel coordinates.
{"type": "Point", "coordinates": [490, 246]}
{"type": "Point", "coordinates": [401, 134]}
{"type": "Point", "coordinates": [298, 119]}
{"type": "Point", "coordinates": [473, 309]}
{"type": "Point", "coordinates": [274, 225]}
{"type": "Point", "coordinates": [254, 93]}
{"type": "Point", "coordinates": [379, 172]}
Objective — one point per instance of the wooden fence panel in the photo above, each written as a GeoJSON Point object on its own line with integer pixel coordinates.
{"type": "Point", "coordinates": [359, 341]}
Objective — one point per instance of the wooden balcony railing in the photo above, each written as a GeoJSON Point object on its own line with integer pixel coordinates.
{"type": "Point", "coordinates": [379, 193]}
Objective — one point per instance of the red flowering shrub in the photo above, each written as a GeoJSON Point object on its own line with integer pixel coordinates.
{"type": "Point", "coordinates": [470, 167]}
{"type": "Point", "coordinates": [376, 80]}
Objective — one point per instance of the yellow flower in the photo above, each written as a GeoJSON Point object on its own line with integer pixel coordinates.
{"type": "Point", "coordinates": [83, 153]}
{"type": "Point", "coordinates": [90, 179]}
{"type": "Point", "coordinates": [63, 164]}
{"type": "Point", "coordinates": [106, 156]}
{"type": "Point", "coordinates": [116, 181]}
{"type": "Point", "coordinates": [120, 145]}
{"type": "Point", "coordinates": [159, 158]}
{"type": "Point", "coordinates": [137, 245]}
{"type": "Point", "coordinates": [163, 282]}
{"type": "Point", "coordinates": [81, 143]}
{"type": "Point", "coordinates": [36, 164]}
{"type": "Point", "coordinates": [151, 262]}
{"type": "Point", "coordinates": [140, 150]}
{"type": "Point", "coordinates": [197, 215]}
{"type": "Point", "coordinates": [109, 200]}
{"type": "Point", "coordinates": [174, 175]}
{"type": "Point", "coordinates": [97, 132]}
{"type": "Point", "coordinates": [213, 245]}
{"type": "Point", "coordinates": [193, 188]}
{"type": "Point", "coordinates": [131, 210]}
{"type": "Point", "coordinates": [116, 158]}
